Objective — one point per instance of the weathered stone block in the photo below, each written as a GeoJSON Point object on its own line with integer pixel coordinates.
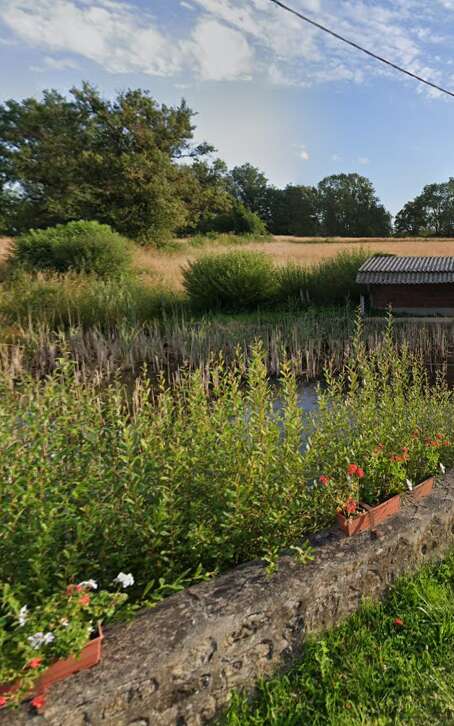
{"type": "Point", "coordinates": [176, 664]}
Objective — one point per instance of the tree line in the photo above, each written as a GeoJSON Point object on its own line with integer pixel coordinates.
{"type": "Point", "coordinates": [131, 163]}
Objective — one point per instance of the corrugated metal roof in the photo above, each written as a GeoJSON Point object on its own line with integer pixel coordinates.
{"type": "Point", "coordinates": [386, 270]}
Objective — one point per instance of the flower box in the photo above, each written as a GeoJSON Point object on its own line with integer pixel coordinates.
{"type": "Point", "coordinates": [423, 489]}
{"type": "Point", "coordinates": [371, 518]}
{"type": "Point", "coordinates": [61, 669]}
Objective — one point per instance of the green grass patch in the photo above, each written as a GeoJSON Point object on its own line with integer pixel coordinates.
{"type": "Point", "coordinates": [371, 670]}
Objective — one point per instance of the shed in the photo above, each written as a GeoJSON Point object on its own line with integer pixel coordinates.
{"type": "Point", "coordinates": [411, 285]}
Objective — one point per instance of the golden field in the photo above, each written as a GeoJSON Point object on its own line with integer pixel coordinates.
{"type": "Point", "coordinates": [165, 266]}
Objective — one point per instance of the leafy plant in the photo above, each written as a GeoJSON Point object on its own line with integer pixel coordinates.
{"type": "Point", "coordinates": [238, 280]}
{"type": "Point", "coordinates": [33, 639]}
{"type": "Point", "coordinates": [87, 247]}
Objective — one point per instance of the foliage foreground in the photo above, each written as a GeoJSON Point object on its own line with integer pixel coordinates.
{"type": "Point", "coordinates": [391, 663]}
{"type": "Point", "coordinates": [175, 483]}
{"type": "Point", "coordinates": [170, 485]}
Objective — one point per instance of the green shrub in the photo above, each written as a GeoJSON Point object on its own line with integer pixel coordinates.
{"type": "Point", "coordinates": [61, 301]}
{"type": "Point", "coordinates": [331, 282]}
{"type": "Point", "coordinates": [81, 246]}
{"type": "Point", "coordinates": [239, 220]}
{"type": "Point", "coordinates": [238, 280]}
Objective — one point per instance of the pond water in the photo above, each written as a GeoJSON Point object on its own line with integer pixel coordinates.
{"type": "Point", "coordinates": [307, 397]}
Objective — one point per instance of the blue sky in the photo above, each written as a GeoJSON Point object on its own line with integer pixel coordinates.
{"type": "Point", "coordinates": [267, 88]}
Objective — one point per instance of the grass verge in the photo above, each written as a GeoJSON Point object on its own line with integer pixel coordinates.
{"type": "Point", "coordinates": [391, 663]}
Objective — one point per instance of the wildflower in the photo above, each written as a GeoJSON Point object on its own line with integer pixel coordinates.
{"type": "Point", "coordinates": [2, 701]}
{"type": "Point", "coordinates": [409, 485]}
{"type": "Point", "coordinates": [446, 443]}
{"type": "Point", "coordinates": [90, 584]}
{"type": "Point", "coordinates": [84, 600]}
{"type": "Point", "coordinates": [360, 473]}
{"type": "Point", "coordinates": [352, 469]}
{"type": "Point", "coordinates": [439, 436]}
{"type": "Point", "coordinates": [442, 468]}
{"type": "Point", "coordinates": [39, 639]}
{"type": "Point", "coordinates": [399, 622]}
{"type": "Point", "coordinates": [73, 588]}
{"type": "Point", "coordinates": [36, 640]}
{"type": "Point", "coordinates": [64, 622]}
{"type": "Point", "coordinates": [35, 663]}
{"type": "Point", "coordinates": [350, 505]}
{"type": "Point", "coordinates": [23, 615]}
{"type": "Point", "coordinates": [125, 580]}
{"type": "Point", "coordinates": [38, 701]}
{"type": "Point", "coordinates": [324, 480]}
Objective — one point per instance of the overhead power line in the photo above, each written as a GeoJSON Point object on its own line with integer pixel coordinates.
{"type": "Point", "coordinates": [359, 47]}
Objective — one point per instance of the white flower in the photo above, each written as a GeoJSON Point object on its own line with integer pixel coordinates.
{"type": "Point", "coordinates": [91, 584]}
{"type": "Point", "coordinates": [64, 622]}
{"type": "Point", "coordinates": [442, 468]}
{"type": "Point", "coordinates": [40, 638]}
{"type": "Point", "coordinates": [409, 485]}
{"type": "Point", "coordinates": [125, 580]}
{"type": "Point", "coordinates": [23, 615]}
{"type": "Point", "coordinates": [36, 640]}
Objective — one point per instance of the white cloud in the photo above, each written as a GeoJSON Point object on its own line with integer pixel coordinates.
{"type": "Point", "coordinates": [304, 154]}
{"type": "Point", "coordinates": [363, 160]}
{"type": "Point", "coordinates": [222, 53]}
{"type": "Point", "coordinates": [240, 39]}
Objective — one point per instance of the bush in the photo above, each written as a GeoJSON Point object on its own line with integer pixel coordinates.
{"type": "Point", "coordinates": [238, 280]}
{"type": "Point", "coordinates": [81, 246]}
{"type": "Point", "coordinates": [61, 301]}
{"type": "Point", "coordinates": [238, 220]}
{"type": "Point", "coordinates": [331, 282]}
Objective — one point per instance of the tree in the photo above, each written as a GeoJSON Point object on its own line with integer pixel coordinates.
{"type": "Point", "coordinates": [85, 157]}
{"type": "Point", "coordinates": [294, 211]}
{"type": "Point", "coordinates": [430, 213]}
{"type": "Point", "coordinates": [250, 187]}
{"type": "Point", "coordinates": [205, 193]}
{"type": "Point", "coordinates": [349, 207]}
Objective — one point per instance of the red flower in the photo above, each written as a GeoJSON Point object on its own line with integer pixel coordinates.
{"type": "Point", "coordinates": [439, 436]}
{"type": "Point", "coordinates": [399, 622]}
{"type": "Point", "coordinates": [324, 480]}
{"type": "Point", "coordinates": [35, 662]}
{"type": "Point", "coordinates": [73, 588]}
{"type": "Point", "coordinates": [84, 600]}
{"type": "Point", "coordinates": [2, 701]}
{"type": "Point", "coordinates": [360, 473]}
{"type": "Point", "coordinates": [350, 506]}
{"type": "Point", "coordinates": [446, 443]}
{"type": "Point", "coordinates": [352, 469]}
{"type": "Point", "coordinates": [38, 701]}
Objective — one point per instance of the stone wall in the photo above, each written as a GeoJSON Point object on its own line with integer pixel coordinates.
{"type": "Point", "coordinates": [177, 663]}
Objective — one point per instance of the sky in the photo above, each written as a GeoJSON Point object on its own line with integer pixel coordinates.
{"type": "Point", "coordinates": [267, 88]}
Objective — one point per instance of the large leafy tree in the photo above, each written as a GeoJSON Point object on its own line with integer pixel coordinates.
{"type": "Point", "coordinates": [294, 211]}
{"type": "Point", "coordinates": [430, 213]}
{"type": "Point", "coordinates": [349, 207]}
{"type": "Point", "coordinates": [84, 156]}
{"type": "Point", "coordinates": [250, 187]}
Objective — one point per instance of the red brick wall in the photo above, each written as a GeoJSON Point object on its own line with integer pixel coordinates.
{"type": "Point", "coordinates": [412, 296]}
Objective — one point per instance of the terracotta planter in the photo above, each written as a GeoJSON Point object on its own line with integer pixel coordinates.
{"type": "Point", "coordinates": [369, 519]}
{"type": "Point", "coordinates": [61, 669]}
{"type": "Point", "coordinates": [423, 489]}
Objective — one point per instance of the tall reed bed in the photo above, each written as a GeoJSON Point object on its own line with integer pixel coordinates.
{"type": "Point", "coordinates": [311, 340]}
{"type": "Point", "coordinates": [173, 483]}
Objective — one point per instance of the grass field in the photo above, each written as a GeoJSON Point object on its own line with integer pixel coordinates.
{"type": "Point", "coordinates": [167, 267]}
{"type": "Point", "coordinates": [390, 664]}
{"type": "Point", "coordinates": [164, 267]}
